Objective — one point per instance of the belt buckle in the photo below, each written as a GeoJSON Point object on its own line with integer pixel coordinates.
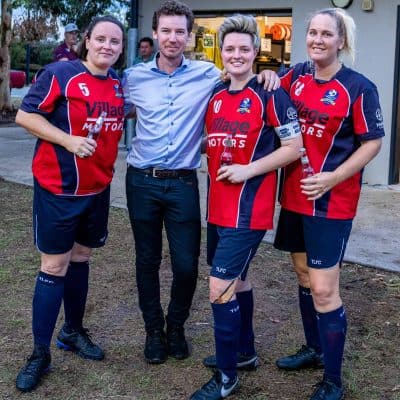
{"type": "Point", "coordinates": [155, 172]}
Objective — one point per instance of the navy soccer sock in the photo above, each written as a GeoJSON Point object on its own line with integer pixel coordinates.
{"type": "Point", "coordinates": [226, 332]}
{"type": "Point", "coordinates": [246, 338]}
{"type": "Point", "coordinates": [46, 305]}
{"type": "Point", "coordinates": [75, 294]}
{"type": "Point", "coordinates": [332, 328]}
{"type": "Point", "coordinates": [309, 318]}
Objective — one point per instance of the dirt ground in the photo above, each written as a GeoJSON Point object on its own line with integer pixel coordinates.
{"type": "Point", "coordinates": [371, 296]}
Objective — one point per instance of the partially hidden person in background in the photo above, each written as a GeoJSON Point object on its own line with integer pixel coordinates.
{"type": "Point", "coordinates": [170, 95]}
{"type": "Point", "coordinates": [262, 134]}
{"type": "Point", "coordinates": [68, 49]}
{"type": "Point", "coordinates": [341, 123]}
{"type": "Point", "coordinates": [145, 50]}
{"type": "Point", "coordinates": [76, 111]}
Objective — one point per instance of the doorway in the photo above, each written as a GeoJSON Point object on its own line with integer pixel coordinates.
{"type": "Point", "coordinates": [394, 171]}
{"type": "Point", "coordinates": [275, 28]}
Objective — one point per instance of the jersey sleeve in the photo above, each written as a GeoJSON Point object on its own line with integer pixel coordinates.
{"type": "Point", "coordinates": [282, 115]}
{"type": "Point", "coordinates": [367, 115]}
{"type": "Point", "coordinates": [289, 75]}
{"type": "Point", "coordinates": [43, 96]}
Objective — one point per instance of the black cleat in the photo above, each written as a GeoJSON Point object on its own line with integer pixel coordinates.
{"type": "Point", "coordinates": [80, 343]}
{"type": "Point", "coordinates": [155, 350]}
{"type": "Point", "coordinates": [38, 364]}
{"type": "Point", "coordinates": [327, 390]}
{"type": "Point", "coordinates": [216, 388]}
{"type": "Point", "coordinates": [176, 341]}
{"type": "Point", "coordinates": [306, 357]}
{"type": "Point", "coordinates": [244, 362]}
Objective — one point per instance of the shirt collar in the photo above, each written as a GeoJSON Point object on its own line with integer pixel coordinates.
{"type": "Point", "coordinates": [154, 67]}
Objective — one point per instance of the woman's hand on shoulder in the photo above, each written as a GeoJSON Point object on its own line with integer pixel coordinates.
{"type": "Point", "coordinates": [270, 78]}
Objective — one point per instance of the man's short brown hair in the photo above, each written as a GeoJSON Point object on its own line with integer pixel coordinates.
{"type": "Point", "coordinates": [172, 7]}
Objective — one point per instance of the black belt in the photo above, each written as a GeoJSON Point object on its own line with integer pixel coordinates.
{"type": "Point", "coordinates": [164, 173]}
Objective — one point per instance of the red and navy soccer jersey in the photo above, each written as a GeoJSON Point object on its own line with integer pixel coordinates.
{"type": "Point", "coordinates": [254, 118]}
{"type": "Point", "coordinates": [335, 117]}
{"type": "Point", "coordinates": [71, 98]}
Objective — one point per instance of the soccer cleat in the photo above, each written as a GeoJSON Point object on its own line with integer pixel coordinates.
{"type": "Point", "coordinates": [218, 387]}
{"type": "Point", "coordinates": [306, 357]}
{"type": "Point", "coordinates": [38, 364]}
{"type": "Point", "coordinates": [244, 362]}
{"type": "Point", "coordinates": [80, 343]}
{"type": "Point", "coordinates": [327, 390]}
{"type": "Point", "coordinates": [176, 341]}
{"type": "Point", "coordinates": [155, 350]}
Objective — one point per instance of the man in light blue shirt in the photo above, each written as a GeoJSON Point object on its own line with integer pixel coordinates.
{"type": "Point", "coordinates": [170, 95]}
{"type": "Point", "coordinates": [170, 109]}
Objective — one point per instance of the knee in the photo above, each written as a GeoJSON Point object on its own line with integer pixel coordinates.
{"type": "Point", "coordinates": [323, 295]}
{"type": "Point", "coordinates": [222, 291]}
{"type": "Point", "coordinates": [80, 253]}
{"type": "Point", "coordinates": [187, 275]}
{"type": "Point", "coordinates": [53, 268]}
{"type": "Point", "coordinates": [147, 266]}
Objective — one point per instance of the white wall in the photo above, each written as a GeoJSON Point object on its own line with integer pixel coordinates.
{"type": "Point", "coordinates": [376, 32]}
{"type": "Point", "coordinates": [375, 55]}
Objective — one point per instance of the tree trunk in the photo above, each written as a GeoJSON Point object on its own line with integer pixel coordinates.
{"type": "Point", "coordinates": [5, 35]}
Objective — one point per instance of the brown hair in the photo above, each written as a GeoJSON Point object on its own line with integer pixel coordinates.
{"type": "Point", "coordinates": [172, 7]}
{"type": "Point", "coordinates": [82, 51]}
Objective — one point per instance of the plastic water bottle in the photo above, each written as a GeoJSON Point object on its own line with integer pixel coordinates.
{"type": "Point", "coordinates": [307, 169]}
{"type": "Point", "coordinates": [95, 129]}
{"type": "Point", "coordinates": [226, 156]}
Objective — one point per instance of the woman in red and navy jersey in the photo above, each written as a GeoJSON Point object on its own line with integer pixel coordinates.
{"type": "Point", "coordinates": [261, 131]}
{"type": "Point", "coordinates": [341, 123]}
{"type": "Point", "coordinates": [75, 109]}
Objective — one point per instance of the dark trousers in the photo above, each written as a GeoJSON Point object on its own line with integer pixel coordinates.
{"type": "Point", "coordinates": [174, 203]}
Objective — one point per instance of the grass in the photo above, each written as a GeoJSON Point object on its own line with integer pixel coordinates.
{"type": "Point", "coordinates": [372, 299]}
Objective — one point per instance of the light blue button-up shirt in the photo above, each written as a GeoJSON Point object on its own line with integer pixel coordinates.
{"type": "Point", "coordinates": [170, 112]}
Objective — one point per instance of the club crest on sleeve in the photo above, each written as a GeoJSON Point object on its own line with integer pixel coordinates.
{"type": "Point", "coordinates": [379, 118]}
{"type": "Point", "coordinates": [378, 114]}
{"type": "Point", "coordinates": [291, 113]}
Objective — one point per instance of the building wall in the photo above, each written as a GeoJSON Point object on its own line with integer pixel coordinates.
{"type": "Point", "coordinates": [376, 32]}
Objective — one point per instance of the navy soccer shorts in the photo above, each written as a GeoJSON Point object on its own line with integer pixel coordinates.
{"type": "Point", "coordinates": [230, 250]}
{"type": "Point", "coordinates": [59, 221]}
{"type": "Point", "coordinates": [324, 240]}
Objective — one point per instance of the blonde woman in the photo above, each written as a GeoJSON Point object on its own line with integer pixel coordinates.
{"type": "Point", "coordinates": [341, 123]}
{"type": "Point", "coordinates": [261, 131]}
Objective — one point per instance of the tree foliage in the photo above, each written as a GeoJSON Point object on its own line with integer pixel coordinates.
{"type": "Point", "coordinates": [39, 22]}
{"type": "Point", "coordinates": [79, 11]}
{"type": "Point", "coordinates": [37, 27]}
